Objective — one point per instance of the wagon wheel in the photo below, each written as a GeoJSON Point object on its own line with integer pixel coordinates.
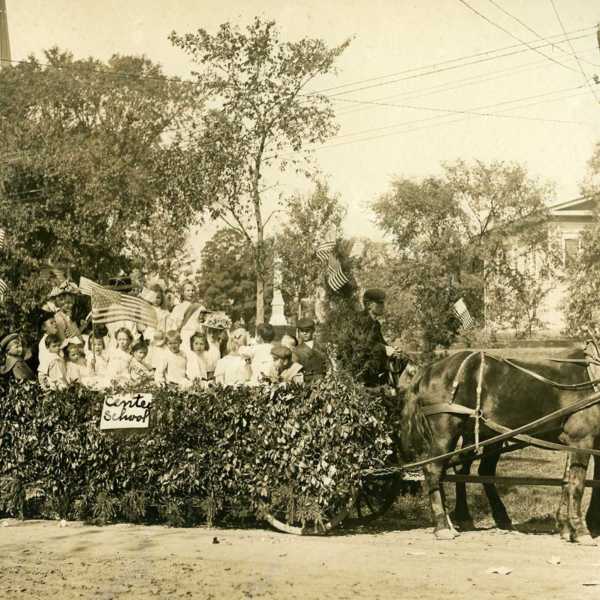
{"type": "Point", "coordinates": [376, 496]}
{"type": "Point", "coordinates": [282, 519]}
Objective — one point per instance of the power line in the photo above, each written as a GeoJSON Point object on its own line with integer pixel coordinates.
{"type": "Point", "coordinates": [519, 48]}
{"type": "Point", "coordinates": [513, 36]}
{"type": "Point", "coordinates": [432, 72]}
{"type": "Point", "coordinates": [585, 78]}
{"type": "Point", "coordinates": [474, 111]}
{"type": "Point", "coordinates": [523, 24]}
{"type": "Point", "coordinates": [438, 122]}
{"type": "Point", "coordinates": [465, 82]}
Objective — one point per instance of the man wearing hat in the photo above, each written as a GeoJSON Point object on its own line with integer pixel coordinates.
{"type": "Point", "coordinates": [13, 364]}
{"type": "Point", "coordinates": [312, 361]}
{"type": "Point", "coordinates": [375, 347]}
{"type": "Point", "coordinates": [285, 369]}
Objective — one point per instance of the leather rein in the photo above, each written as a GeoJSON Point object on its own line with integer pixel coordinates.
{"type": "Point", "coordinates": [520, 433]}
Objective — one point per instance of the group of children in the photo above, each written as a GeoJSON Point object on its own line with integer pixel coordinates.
{"type": "Point", "coordinates": [189, 345]}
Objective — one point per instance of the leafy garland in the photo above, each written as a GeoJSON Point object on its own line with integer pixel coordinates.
{"type": "Point", "coordinates": [234, 450]}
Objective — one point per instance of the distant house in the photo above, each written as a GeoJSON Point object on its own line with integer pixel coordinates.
{"type": "Point", "coordinates": [567, 222]}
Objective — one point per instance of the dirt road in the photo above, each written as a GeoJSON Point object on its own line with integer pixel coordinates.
{"type": "Point", "coordinates": [41, 559]}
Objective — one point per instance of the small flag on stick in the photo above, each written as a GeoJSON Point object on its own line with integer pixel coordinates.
{"type": "Point", "coordinates": [336, 278]}
{"type": "Point", "coordinates": [462, 313]}
{"type": "Point", "coordinates": [109, 306]}
{"type": "Point", "coordinates": [2, 238]}
{"type": "Point", "coordinates": [3, 289]}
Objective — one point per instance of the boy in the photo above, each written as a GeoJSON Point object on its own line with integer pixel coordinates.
{"type": "Point", "coordinates": [53, 374]}
{"type": "Point", "coordinates": [173, 367]}
{"type": "Point", "coordinates": [49, 327]}
{"type": "Point", "coordinates": [284, 368]}
{"type": "Point", "coordinates": [14, 365]}
{"type": "Point", "coordinates": [262, 361]}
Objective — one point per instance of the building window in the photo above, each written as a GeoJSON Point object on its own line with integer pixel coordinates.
{"type": "Point", "coordinates": [570, 250]}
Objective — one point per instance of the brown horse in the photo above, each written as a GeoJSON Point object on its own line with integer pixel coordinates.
{"type": "Point", "coordinates": [508, 397]}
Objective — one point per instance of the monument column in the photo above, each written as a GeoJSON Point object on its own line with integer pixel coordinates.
{"type": "Point", "coordinates": [5, 57]}
{"type": "Point", "coordinates": [278, 305]}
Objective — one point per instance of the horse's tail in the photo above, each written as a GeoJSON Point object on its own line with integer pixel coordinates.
{"type": "Point", "coordinates": [415, 431]}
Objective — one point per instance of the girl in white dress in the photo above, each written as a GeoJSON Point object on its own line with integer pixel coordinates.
{"type": "Point", "coordinates": [198, 358]}
{"type": "Point", "coordinates": [188, 295]}
{"type": "Point", "coordinates": [120, 357]}
{"type": "Point", "coordinates": [234, 368]}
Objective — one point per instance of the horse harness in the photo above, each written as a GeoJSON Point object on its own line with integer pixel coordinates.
{"type": "Point", "coordinates": [593, 364]}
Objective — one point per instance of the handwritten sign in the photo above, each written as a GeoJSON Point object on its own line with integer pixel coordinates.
{"type": "Point", "coordinates": [126, 411]}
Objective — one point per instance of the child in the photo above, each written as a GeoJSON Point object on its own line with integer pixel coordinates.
{"type": "Point", "coordinates": [76, 366]}
{"type": "Point", "coordinates": [14, 365]}
{"type": "Point", "coordinates": [262, 361]}
{"type": "Point", "coordinates": [197, 358]}
{"type": "Point", "coordinates": [234, 368]}
{"type": "Point", "coordinates": [173, 368]}
{"type": "Point", "coordinates": [49, 327]}
{"type": "Point", "coordinates": [140, 371]}
{"type": "Point", "coordinates": [285, 369]}
{"type": "Point", "coordinates": [156, 350]}
{"type": "Point", "coordinates": [52, 374]}
{"type": "Point", "coordinates": [120, 357]}
{"type": "Point", "coordinates": [97, 357]}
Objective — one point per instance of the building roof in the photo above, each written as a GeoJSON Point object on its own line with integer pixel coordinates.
{"type": "Point", "coordinates": [582, 207]}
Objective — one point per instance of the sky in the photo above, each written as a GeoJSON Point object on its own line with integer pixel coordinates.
{"type": "Point", "coordinates": [406, 87]}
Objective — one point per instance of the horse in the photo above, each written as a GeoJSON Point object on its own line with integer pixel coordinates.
{"type": "Point", "coordinates": [440, 405]}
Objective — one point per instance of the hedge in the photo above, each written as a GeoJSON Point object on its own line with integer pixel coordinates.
{"type": "Point", "coordinates": [240, 450]}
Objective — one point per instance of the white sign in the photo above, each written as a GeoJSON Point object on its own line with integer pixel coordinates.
{"type": "Point", "coordinates": [126, 411]}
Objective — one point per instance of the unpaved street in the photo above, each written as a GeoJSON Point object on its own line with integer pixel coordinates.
{"type": "Point", "coordinates": [40, 559]}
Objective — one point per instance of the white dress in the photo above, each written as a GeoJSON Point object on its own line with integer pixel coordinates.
{"type": "Point", "coordinates": [118, 365]}
{"type": "Point", "coordinates": [232, 369]}
{"type": "Point", "coordinates": [178, 313]}
{"type": "Point", "coordinates": [196, 367]}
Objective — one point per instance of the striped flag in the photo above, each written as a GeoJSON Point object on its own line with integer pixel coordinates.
{"type": "Point", "coordinates": [3, 289]}
{"type": "Point", "coordinates": [2, 238]}
{"type": "Point", "coordinates": [109, 306]}
{"type": "Point", "coordinates": [336, 278]}
{"type": "Point", "coordinates": [326, 247]}
{"type": "Point", "coordinates": [462, 313]}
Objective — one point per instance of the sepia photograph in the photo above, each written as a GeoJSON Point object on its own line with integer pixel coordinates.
{"type": "Point", "coordinates": [299, 300]}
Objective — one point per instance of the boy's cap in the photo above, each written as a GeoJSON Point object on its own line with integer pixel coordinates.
{"type": "Point", "coordinates": [159, 338]}
{"type": "Point", "coordinates": [281, 352]}
{"type": "Point", "coordinates": [6, 340]}
{"type": "Point", "coordinates": [305, 324]}
{"type": "Point", "coordinates": [374, 295]}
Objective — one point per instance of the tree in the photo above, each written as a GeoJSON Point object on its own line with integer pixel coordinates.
{"type": "Point", "coordinates": [256, 84]}
{"type": "Point", "coordinates": [583, 271]}
{"type": "Point", "coordinates": [453, 233]}
{"type": "Point", "coordinates": [82, 169]}
{"type": "Point", "coordinates": [227, 279]}
{"type": "Point", "coordinates": [310, 217]}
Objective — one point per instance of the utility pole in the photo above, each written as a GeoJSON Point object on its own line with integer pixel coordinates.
{"type": "Point", "coordinates": [5, 57]}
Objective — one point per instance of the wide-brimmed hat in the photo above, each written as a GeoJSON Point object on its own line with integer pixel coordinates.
{"type": "Point", "coordinates": [7, 339]}
{"type": "Point", "coordinates": [217, 320]}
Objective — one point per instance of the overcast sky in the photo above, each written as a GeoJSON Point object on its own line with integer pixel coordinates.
{"type": "Point", "coordinates": [549, 119]}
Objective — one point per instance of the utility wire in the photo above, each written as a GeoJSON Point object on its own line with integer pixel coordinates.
{"type": "Point", "coordinates": [519, 49]}
{"type": "Point", "coordinates": [585, 78]}
{"type": "Point", "coordinates": [439, 122]}
{"type": "Point", "coordinates": [523, 24]}
{"type": "Point", "coordinates": [450, 86]}
{"type": "Point", "coordinates": [432, 72]}
{"type": "Point", "coordinates": [512, 35]}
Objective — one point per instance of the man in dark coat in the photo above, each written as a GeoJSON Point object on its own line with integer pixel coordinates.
{"type": "Point", "coordinates": [372, 348]}
{"type": "Point", "coordinates": [312, 360]}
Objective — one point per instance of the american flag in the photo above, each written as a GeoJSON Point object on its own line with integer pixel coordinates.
{"type": "Point", "coordinates": [336, 278]}
{"type": "Point", "coordinates": [109, 306]}
{"type": "Point", "coordinates": [326, 247]}
{"type": "Point", "coordinates": [2, 238]}
{"type": "Point", "coordinates": [3, 289]}
{"type": "Point", "coordinates": [462, 313]}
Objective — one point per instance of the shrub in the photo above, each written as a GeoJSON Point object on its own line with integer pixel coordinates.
{"type": "Point", "coordinates": [206, 452]}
